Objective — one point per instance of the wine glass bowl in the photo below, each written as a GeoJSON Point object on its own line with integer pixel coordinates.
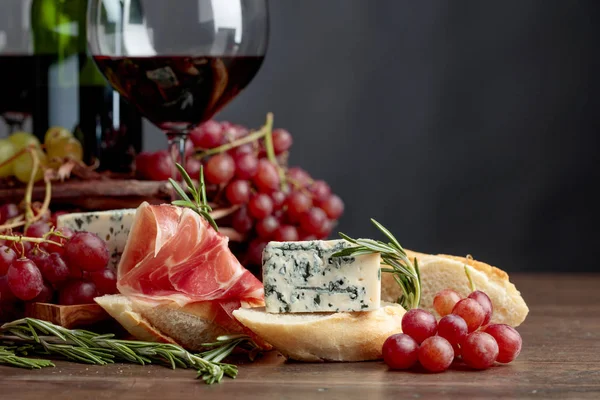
{"type": "Point", "coordinates": [178, 63]}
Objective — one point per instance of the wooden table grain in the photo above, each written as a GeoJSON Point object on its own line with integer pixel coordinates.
{"type": "Point", "coordinates": [560, 360]}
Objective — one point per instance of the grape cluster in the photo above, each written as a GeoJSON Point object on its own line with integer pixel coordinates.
{"type": "Point", "coordinates": [462, 332]}
{"type": "Point", "coordinates": [273, 202]}
{"type": "Point", "coordinates": [66, 267]}
{"type": "Point", "coordinates": [59, 144]}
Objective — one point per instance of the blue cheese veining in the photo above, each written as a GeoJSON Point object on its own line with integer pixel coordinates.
{"type": "Point", "coordinates": [303, 277]}
{"type": "Point", "coordinates": [113, 226]}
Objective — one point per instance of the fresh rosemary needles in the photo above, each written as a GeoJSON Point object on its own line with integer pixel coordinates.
{"type": "Point", "coordinates": [394, 260]}
{"type": "Point", "coordinates": [31, 336]}
{"type": "Point", "coordinates": [199, 202]}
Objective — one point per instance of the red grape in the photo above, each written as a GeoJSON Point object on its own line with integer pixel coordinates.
{"type": "Point", "coordinates": [219, 169]}
{"type": "Point", "coordinates": [299, 177]}
{"type": "Point", "coordinates": [471, 312]}
{"type": "Point", "coordinates": [485, 303]}
{"type": "Point", "coordinates": [8, 211]}
{"type": "Point", "coordinates": [61, 235]}
{"type": "Point", "coordinates": [86, 251]}
{"type": "Point", "coordinates": [419, 324]}
{"type": "Point", "coordinates": [246, 166]}
{"type": "Point", "coordinates": [238, 192]}
{"type": "Point", "coordinates": [260, 206]}
{"type": "Point", "coordinates": [37, 229]}
{"type": "Point", "coordinates": [207, 135]}
{"type": "Point", "coordinates": [297, 203]}
{"type": "Point", "coordinates": [305, 235]}
{"type": "Point", "coordinates": [6, 294]}
{"type": "Point", "coordinates": [333, 206]}
{"type": "Point", "coordinates": [400, 351]}
{"type": "Point", "coordinates": [436, 354]}
{"type": "Point", "coordinates": [278, 198]}
{"type": "Point", "coordinates": [54, 269]}
{"type": "Point", "coordinates": [508, 339]}
{"type": "Point", "coordinates": [479, 350]}
{"type": "Point", "coordinates": [325, 230]}
{"type": "Point", "coordinates": [78, 292]}
{"type": "Point", "coordinates": [444, 301]}
{"type": "Point", "coordinates": [266, 178]}
{"type": "Point", "coordinates": [161, 166]}
{"type": "Point", "coordinates": [286, 233]}
{"type": "Point", "coordinates": [105, 281]}
{"type": "Point", "coordinates": [143, 163]}
{"type": "Point", "coordinates": [192, 167]}
{"type": "Point", "coordinates": [45, 295]}
{"type": "Point", "coordinates": [239, 151]}
{"type": "Point", "coordinates": [241, 221]}
{"type": "Point", "coordinates": [254, 252]}
{"type": "Point", "coordinates": [320, 190]}
{"type": "Point", "coordinates": [312, 221]}
{"type": "Point", "coordinates": [265, 228]}
{"type": "Point", "coordinates": [233, 132]}
{"type": "Point", "coordinates": [7, 256]}
{"type": "Point", "coordinates": [24, 279]}
{"type": "Point", "coordinates": [282, 140]}
{"type": "Point", "coordinates": [452, 328]}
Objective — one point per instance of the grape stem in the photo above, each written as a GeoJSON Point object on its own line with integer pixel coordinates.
{"type": "Point", "coordinates": [19, 239]}
{"type": "Point", "coordinates": [231, 145]}
{"type": "Point", "coordinates": [265, 132]}
{"type": "Point", "coordinates": [471, 284]}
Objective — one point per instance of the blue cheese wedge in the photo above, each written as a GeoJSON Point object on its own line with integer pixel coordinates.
{"type": "Point", "coordinates": [113, 226]}
{"type": "Point", "coordinates": [302, 277]}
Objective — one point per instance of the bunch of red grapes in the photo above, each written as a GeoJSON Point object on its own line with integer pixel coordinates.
{"type": "Point", "coordinates": [66, 268]}
{"type": "Point", "coordinates": [462, 332]}
{"type": "Point", "coordinates": [275, 202]}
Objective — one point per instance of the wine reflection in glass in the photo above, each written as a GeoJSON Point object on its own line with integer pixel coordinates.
{"type": "Point", "coordinates": [179, 62]}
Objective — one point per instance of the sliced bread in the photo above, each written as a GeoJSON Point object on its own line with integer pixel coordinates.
{"type": "Point", "coordinates": [441, 271]}
{"type": "Point", "coordinates": [342, 336]}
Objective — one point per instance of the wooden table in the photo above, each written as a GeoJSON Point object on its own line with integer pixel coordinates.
{"type": "Point", "coordinates": [560, 360]}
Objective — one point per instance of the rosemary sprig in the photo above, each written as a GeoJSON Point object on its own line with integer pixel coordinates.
{"type": "Point", "coordinates": [226, 344]}
{"type": "Point", "coordinates": [395, 260]}
{"type": "Point", "coordinates": [199, 202]}
{"type": "Point", "coordinates": [34, 336]}
{"type": "Point", "coordinates": [8, 357]}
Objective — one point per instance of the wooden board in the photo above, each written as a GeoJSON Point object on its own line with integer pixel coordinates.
{"type": "Point", "coordinates": [560, 360]}
{"type": "Point", "coordinates": [68, 316]}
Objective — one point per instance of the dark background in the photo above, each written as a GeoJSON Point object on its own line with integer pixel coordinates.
{"type": "Point", "coordinates": [466, 127]}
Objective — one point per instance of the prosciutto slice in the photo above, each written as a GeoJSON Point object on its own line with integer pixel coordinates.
{"type": "Point", "coordinates": [173, 254]}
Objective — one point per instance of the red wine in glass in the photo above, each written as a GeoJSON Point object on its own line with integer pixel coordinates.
{"type": "Point", "coordinates": [175, 92]}
{"type": "Point", "coordinates": [178, 64]}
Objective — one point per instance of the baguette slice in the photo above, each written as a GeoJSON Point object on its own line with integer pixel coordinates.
{"type": "Point", "coordinates": [167, 322]}
{"type": "Point", "coordinates": [121, 308]}
{"type": "Point", "coordinates": [342, 336]}
{"type": "Point", "coordinates": [442, 271]}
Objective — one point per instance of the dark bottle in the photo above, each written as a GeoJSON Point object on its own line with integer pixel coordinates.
{"type": "Point", "coordinates": [71, 92]}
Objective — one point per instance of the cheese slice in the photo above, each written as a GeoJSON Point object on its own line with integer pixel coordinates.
{"type": "Point", "coordinates": [113, 226]}
{"type": "Point", "coordinates": [302, 277]}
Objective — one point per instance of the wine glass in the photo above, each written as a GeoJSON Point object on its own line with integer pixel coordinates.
{"type": "Point", "coordinates": [178, 62]}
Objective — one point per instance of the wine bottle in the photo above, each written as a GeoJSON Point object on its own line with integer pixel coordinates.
{"type": "Point", "coordinates": [72, 93]}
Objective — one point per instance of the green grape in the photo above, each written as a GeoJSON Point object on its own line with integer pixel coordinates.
{"type": "Point", "coordinates": [23, 139]}
{"type": "Point", "coordinates": [55, 134]}
{"type": "Point", "coordinates": [23, 165]}
{"type": "Point", "coordinates": [7, 150]}
{"type": "Point", "coordinates": [65, 148]}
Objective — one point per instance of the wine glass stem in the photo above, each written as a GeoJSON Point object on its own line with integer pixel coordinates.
{"type": "Point", "coordinates": [177, 150]}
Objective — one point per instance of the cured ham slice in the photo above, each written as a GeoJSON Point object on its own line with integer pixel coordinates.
{"type": "Point", "coordinates": [173, 254]}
